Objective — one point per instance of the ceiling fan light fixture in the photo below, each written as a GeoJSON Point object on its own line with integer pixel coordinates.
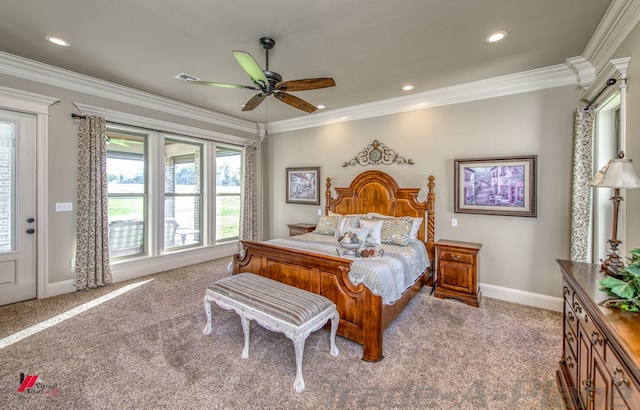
{"type": "Point", "coordinates": [495, 37]}
{"type": "Point", "coordinates": [58, 41]}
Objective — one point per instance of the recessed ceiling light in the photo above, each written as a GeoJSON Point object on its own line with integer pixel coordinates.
{"type": "Point", "coordinates": [407, 87]}
{"type": "Point", "coordinates": [497, 36]}
{"type": "Point", "coordinates": [320, 107]}
{"type": "Point", "coordinates": [58, 41]}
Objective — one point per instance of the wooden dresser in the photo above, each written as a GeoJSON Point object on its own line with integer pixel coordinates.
{"type": "Point", "coordinates": [600, 364]}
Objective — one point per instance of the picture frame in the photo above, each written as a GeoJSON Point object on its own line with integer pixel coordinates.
{"type": "Point", "coordinates": [303, 185]}
{"type": "Point", "coordinates": [496, 186]}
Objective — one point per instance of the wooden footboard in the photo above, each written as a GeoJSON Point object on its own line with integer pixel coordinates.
{"type": "Point", "coordinates": [363, 317]}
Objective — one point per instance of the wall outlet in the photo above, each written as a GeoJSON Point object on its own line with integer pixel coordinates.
{"type": "Point", "coordinates": [319, 212]}
{"type": "Point", "coordinates": [454, 222]}
{"type": "Point", "coordinates": [64, 207]}
{"type": "Point", "coordinates": [73, 263]}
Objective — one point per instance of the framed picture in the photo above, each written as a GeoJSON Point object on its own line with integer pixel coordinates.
{"type": "Point", "coordinates": [303, 185]}
{"type": "Point", "coordinates": [496, 186]}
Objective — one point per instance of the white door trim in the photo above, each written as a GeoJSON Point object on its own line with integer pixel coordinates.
{"type": "Point", "coordinates": [37, 104]}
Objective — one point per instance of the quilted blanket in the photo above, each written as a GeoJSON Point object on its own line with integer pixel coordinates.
{"type": "Point", "coordinates": [387, 276]}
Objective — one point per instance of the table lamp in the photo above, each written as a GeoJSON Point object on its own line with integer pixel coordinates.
{"type": "Point", "coordinates": [617, 174]}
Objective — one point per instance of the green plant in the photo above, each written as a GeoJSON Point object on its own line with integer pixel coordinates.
{"type": "Point", "coordinates": [626, 288]}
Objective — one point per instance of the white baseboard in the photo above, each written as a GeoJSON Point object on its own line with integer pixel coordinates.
{"type": "Point", "coordinates": [136, 268]}
{"type": "Point", "coordinates": [522, 297]}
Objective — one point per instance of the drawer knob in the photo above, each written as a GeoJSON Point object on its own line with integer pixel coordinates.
{"type": "Point", "coordinates": [570, 316]}
{"type": "Point", "coordinates": [577, 307]}
{"type": "Point", "coordinates": [455, 257]}
{"type": "Point", "coordinates": [569, 337]}
{"type": "Point", "coordinates": [595, 338]}
{"type": "Point", "coordinates": [622, 380]}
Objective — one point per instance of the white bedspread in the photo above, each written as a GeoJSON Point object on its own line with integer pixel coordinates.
{"type": "Point", "coordinates": [387, 276]}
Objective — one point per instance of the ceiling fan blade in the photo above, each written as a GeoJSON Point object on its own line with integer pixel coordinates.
{"type": "Point", "coordinates": [294, 101]}
{"type": "Point", "coordinates": [221, 85]}
{"type": "Point", "coordinates": [305, 84]}
{"type": "Point", "coordinates": [249, 64]}
{"type": "Point", "coordinates": [254, 102]}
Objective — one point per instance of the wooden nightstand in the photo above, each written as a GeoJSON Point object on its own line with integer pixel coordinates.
{"type": "Point", "coordinates": [457, 271]}
{"type": "Point", "coordinates": [300, 228]}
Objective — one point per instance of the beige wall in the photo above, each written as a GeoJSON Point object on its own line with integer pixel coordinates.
{"type": "Point", "coordinates": [518, 253]}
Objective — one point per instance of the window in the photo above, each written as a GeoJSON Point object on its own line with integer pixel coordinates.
{"type": "Point", "coordinates": [127, 193]}
{"type": "Point", "coordinates": [228, 173]}
{"type": "Point", "coordinates": [606, 146]}
{"type": "Point", "coordinates": [182, 193]}
{"type": "Point", "coordinates": [159, 199]}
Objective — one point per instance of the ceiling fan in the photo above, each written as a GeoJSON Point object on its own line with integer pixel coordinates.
{"type": "Point", "coordinates": [268, 82]}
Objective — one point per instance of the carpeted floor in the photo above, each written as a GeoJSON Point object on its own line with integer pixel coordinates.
{"type": "Point", "coordinates": [145, 350]}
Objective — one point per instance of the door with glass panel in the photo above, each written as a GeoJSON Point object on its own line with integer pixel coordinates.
{"type": "Point", "coordinates": [17, 207]}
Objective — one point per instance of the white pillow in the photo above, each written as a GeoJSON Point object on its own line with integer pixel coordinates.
{"type": "Point", "coordinates": [377, 215]}
{"type": "Point", "coordinates": [374, 226]}
{"type": "Point", "coordinates": [415, 228]}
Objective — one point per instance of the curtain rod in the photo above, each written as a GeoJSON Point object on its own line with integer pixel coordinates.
{"type": "Point", "coordinates": [610, 82]}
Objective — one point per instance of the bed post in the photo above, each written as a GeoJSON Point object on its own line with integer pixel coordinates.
{"type": "Point", "coordinates": [431, 218]}
{"type": "Point", "coordinates": [327, 196]}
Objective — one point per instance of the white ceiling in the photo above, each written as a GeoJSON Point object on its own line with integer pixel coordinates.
{"type": "Point", "coordinates": [371, 48]}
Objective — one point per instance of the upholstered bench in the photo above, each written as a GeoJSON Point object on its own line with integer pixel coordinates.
{"type": "Point", "coordinates": [275, 306]}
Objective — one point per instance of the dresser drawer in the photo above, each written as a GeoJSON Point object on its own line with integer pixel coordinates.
{"type": "Point", "coordinates": [570, 318]}
{"type": "Point", "coordinates": [570, 340]}
{"type": "Point", "coordinates": [570, 360]}
{"type": "Point", "coordinates": [567, 292]}
{"type": "Point", "coordinates": [622, 380]}
{"type": "Point", "coordinates": [593, 333]}
{"type": "Point", "coordinates": [459, 257]}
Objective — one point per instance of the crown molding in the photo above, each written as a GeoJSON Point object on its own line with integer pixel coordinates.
{"type": "Point", "coordinates": [585, 71]}
{"type": "Point", "coordinates": [620, 18]}
{"type": "Point", "coordinates": [25, 101]}
{"type": "Point", "coordinates": [43, 73]}
{"type": "Point", "coordinates": [526, 81]}
{"type": "Point", "coordinates": [153, 124]}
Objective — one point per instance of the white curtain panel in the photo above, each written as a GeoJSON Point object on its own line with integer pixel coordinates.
{"type": "Point", "coordinates": [92, 247]}
{"type": "Point", "coordinates": [581, 193]}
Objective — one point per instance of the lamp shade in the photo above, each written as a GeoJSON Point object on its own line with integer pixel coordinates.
{"type": "Point", "coordinates": [618, 173]}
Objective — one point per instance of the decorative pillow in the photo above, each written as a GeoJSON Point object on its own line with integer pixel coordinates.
{"type": "Point", "coordinates": [361, 233]}
{"type": "Point", "coordinates": [344, 223]}
{"type": "Point", "coordinates": [415, 227]}
{"type": "Point", "coordinates": [374, 227]}
{"type": "Point", "coordinates": [396, 231]}
{"type": "Point", "coordinates": [327, 225]}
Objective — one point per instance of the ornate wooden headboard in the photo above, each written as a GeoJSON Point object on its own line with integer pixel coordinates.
{"type": "Point", "coordinates": [376, 191]}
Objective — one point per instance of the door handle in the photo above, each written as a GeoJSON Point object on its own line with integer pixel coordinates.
{"type": "Point", "coordinates": [31, 231]}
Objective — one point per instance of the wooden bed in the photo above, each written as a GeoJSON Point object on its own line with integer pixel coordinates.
{"type": "Point", "coordinates": [363, 316]}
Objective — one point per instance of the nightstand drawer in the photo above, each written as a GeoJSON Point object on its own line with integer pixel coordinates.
{"type": "Point", "coordinates": [459, 257]}
{"type": "Point", "coordinates": [300, 228]}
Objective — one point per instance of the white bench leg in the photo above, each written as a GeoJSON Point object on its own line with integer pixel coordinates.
{"type": "Point", "coordinates": [335, 321]}
{"type": "Point", "coordinates": [298, 344]}
{"type": "Point", "coordinates": [207, 310]}
{"type": "Point", "coordinates": [245, 329]}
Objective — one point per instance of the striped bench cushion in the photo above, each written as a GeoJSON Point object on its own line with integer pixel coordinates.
{"type": "Point", "coordinates": [287, 303]}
